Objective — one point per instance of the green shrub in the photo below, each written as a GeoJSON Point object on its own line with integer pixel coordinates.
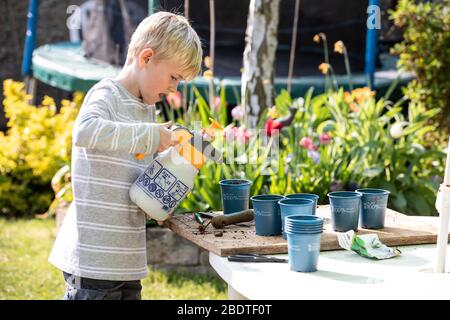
{"type": "Point", "coordinates": [425, 51]}
{"type": "Point", "coordinates": [36, 145]}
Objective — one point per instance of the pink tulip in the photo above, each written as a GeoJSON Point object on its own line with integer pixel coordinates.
{"type": "Point", "coordinates": [175, 100]}
{"type": "Point", "coordinates": [238, 112]}
{"type": "Point", "coordinates": [307, 143]}
{"type": "Point", "coordinates": [217, 104]}
{"type": "Point", "coordinates": [325, 138]}
{"type": "Point", "coordinates": [239, 134]}
{"type": "Point", "coordinates": [243, 135]}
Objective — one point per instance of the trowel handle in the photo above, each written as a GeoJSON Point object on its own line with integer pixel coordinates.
{"type": "Point", "coordinates": [221, 221]}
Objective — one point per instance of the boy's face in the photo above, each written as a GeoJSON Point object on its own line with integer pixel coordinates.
{"type": "Point", "coordinates": [157, 78]}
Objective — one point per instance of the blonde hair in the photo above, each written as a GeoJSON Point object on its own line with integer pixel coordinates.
{"type": "Point", "coordinates": [171, 37]}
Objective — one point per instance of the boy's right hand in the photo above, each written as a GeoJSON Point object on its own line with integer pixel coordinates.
{"type": "Point", "coordinates": [167, 138]}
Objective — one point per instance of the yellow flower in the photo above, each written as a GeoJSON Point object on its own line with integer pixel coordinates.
{"type": "Point", "coordinates": [348, 98]}
{"type": "Point", "coordinates": [208, 74]}
{"type": "Point", "coordinates": [354, 107]}
{"type": "Point", "coordinates": [208, 62]}
{"type": "Point", "coordinates": [272, 112]}
{"type": "Point", "coordinates": [319, 36]}
{"type": "Point", "coordinates": [339, 47]}
{"type": "Point", "coordinates": [358, 97]}
{"type": "Point", "coordinates": [48, 101]}
{"type": "Point", "coordinates": [362, 94]}
{"type": "Point", "coordinates": [324, 67]}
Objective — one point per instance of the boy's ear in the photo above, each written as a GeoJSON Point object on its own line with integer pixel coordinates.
{"type": "Point", "coordinates": [145, 56]}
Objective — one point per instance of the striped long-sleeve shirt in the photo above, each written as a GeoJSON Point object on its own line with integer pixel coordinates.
{"type": "Point", "coordinates": [103, 233]}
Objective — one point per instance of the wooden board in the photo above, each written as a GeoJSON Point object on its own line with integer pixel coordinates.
{"type": "Point", "coordinates": [399, 230]}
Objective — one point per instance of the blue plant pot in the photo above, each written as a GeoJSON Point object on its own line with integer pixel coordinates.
{"type": "Point", "coordinates": [310, 196]}
{"type": "Point", "coordinates": [294, 207]}
{"type": "Point", "coordinates": [373, 207]}
{"type": "Point", "coordinates": [267, 215]}
{"type": "Point", "coordinates": [235, 195]}
{"type": "Point", "coordinates": [345, 206]}
{"type": "Point", "coordinates": [304, 251]}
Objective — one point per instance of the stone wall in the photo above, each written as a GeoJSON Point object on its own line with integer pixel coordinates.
{"type": "Point", "coordinates": [168, 251]}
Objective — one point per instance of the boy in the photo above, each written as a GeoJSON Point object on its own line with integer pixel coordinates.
{"type": "Point", "coordinates": [101, 246]}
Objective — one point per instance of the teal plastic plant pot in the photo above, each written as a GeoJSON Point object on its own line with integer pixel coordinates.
{"type": "Point", "coordinates": [373, 207]}
{"type": "Point", "coordinates": [345, 206]}
{"type": "Point", "coordinates": [294, 207]}
{"type": "Point", "coordinates": [235, 195]}
{"type": "Point", "coordinates": [267, 214]}
{"type": "Point", "coordinates": [304, 251]}
{"type": "Point", "coordinates": [311, 196]}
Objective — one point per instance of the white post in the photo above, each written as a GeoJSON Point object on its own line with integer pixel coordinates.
{"type": "Point", "coordinates": [443, 207]}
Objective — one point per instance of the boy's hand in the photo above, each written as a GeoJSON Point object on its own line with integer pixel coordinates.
{"type": "Point", "coordinates": [166, 137]}
{"type": "Point", "coordinates": [163, 222]}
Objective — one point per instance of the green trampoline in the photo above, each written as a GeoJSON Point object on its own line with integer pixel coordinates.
{"type": "Point", "coordinates": [63, 65]}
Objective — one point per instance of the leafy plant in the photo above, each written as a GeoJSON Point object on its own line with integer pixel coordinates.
{"type": "Point", "coordinates": [425, 51]}
{"type": "Point", "coordinates": [345, 140]}
{"type": "Point", "coordinates": [36, 145]}
{"type": "Point", "coordinates": [206, 194]}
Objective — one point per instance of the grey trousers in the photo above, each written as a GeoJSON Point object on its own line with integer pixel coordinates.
{"type": "Point", "coordinates": [79, 288]}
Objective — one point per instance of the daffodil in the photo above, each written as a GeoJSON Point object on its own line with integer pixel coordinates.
{"type": "Point", "coordinates": [208, 74]}
{"type": "Point", "coordinates": [362, 94]}
{"type": "Point", "coordinates": [324, 67]}
{"type": "Point", "coordinates": [208, 62]}
{"type": "Point", "coordinates": [319, 36]}
{"type": "Point", "coordinates": [339, 47]}
{"type": "Point", "coordinates": [348, 97]}
{"type": "Point", "coordinates": [350, 100]}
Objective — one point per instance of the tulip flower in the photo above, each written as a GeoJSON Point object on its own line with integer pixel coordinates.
{"type": "Point", "coordinates": [238, 112]}
{"type": "Point", "coordinates": [272, 125]}
{"type": "Point", "coordinates": [306, 143]}
{"type": "Point", "coordinates": [217, 103]}
{"type": "Point", "coordinates": [396, 130]}
{"type": "Point", "coordinates": [239, 134]}
{"type": "Point", "coordinates": [175, 100]}
{"type": "Point", "coordinates": [325, 138]}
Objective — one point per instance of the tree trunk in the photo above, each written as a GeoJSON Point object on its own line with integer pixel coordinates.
{"type": "Point", "coordinates": [259, 58]}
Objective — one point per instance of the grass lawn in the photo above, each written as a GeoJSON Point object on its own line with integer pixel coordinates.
{"type": "Point", "coordinates": [26, 274]}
